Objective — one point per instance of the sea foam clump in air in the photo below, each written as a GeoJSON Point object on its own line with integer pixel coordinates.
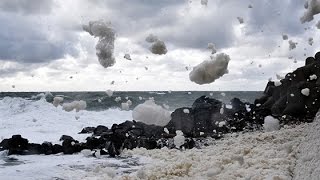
{"type": "Point", "coordinates": [313, 9]}
{"type": "Point", "coordinates": [77, 105]}
{"type": "Point", "coordinates": [305, 91]}
{"type": "Point", "coordinates": [212, 47]}
{"type": "Point", "coordinates": [310, 41]}
{"type": "Point", "coordinates": [158, 47]}
{"type": "Point", "coordinates": [240, 19]}
{"type": "Point", "coordinates": [127, 56]}
{"type": "Point", "coordinates": [151, 113]}
{"type": "Point", "coordinates": [271, 124]}
{"type": "Point", "coordinates": [204, 2]}
{"type": "Point", "coordinates": [292, 45]}
{"type": "Point", "coordinates": [210, 70]}
{"type": "Point", "coordinates": [284, 37]}
{"type": "Point", "coordinates": [105, 45]}
{"type": "Point", "coordinates": [151, 38]}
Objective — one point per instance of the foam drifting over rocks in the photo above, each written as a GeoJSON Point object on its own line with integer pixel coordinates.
{"type": "Point", "coordinates": [151, 113]}
{"type": "Point", "coordinates": [210, 70]}
{"type": "Point", "coordinates": [212, 47]}
{"type": "Point", "coordinates": [105, 45]}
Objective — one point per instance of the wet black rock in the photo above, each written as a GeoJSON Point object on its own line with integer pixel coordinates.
{"type": "Point", "coordinates": [66, 137]}
{"type": "Point", "coordinates": [70, 146]}
{"type": "Point", "coordinates": [17, 145]}
{"type": "Point", "coordinates": [87, 130]}
{"type": "Point", "coordinates": [287, 99]}
{"type": "Point", "coordinates": [99, 130]}
{"type": "Point", "coordinates": [180, 120]}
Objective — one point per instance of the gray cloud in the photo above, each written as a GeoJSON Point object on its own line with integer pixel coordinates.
{"type": "Point", "coordinates": [27, 6]}
{"type": "Point", "coordinates": [26, 39]}
{"type": "Point", "coordinates": [274, 17]}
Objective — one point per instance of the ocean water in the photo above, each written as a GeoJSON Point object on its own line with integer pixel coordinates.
{"type": "Point", "coordinates": [99, 101]}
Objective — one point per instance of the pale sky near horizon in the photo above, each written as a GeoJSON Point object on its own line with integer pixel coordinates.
{"type": "Point", "coordinates": [44, 48]}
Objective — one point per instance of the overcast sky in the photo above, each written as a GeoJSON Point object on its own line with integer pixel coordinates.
{"type": "Point", "coordinates": [44, 48]}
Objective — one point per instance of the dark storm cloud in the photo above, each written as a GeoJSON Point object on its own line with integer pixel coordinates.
{"type": "Point", "coordinates": [26, 39]}
{"type": "Point", "coordinates": [273, 16]}
{"type": "Point", "coordinates": [27, 6]}
{"type": "Point", "coordinates": [139, 16]}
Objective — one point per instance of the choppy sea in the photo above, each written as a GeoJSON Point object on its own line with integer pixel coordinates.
{"type": "Point", "coordinates": [99, 101]}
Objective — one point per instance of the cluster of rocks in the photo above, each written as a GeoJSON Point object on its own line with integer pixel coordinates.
{"type": "Point", "coordinates": [297, 95]}
{"type": "Point", "coordinates": [287, 100]}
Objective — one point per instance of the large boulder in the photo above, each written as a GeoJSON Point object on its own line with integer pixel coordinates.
{"type": "Point", "coordinates": [181, 119]}
{"type": "Point", "coordinates": [287, 98]}
{"type": "Point", "coordinates": [203, 109]}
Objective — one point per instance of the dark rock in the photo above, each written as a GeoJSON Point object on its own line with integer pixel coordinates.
{"type": "Point", "coordinates": [310, 60]}
{"type": "Point", "coordinates": [57, 148]}
{"type": "Point", "coordinates": [47, 148]}
{"type": "Point", "coordinates": [4, 144]}
{"type": "Point", "coordinates": [93, 143]}
{"type": "Point", "coordinates": [100, 130]}
{"type": "Point", "coordinates": [150, 131]}
{"type": "Point", "coordinates": [112, 149]}
{"type": "Point", "coordinates": [181, 121]}
{"type": "Point", "coordinates": [237, 104]}
{"type": "Point", "coordinates": [279, 106]}
{"type": "Point", "coordinates": [204, 102]}
{"type": "Point", "coordinates": [87, 130]}
{"type": "Point", "coordinates": [66, 137]}
{"type": "Point", "coordinates": [70, 146]}
{"type": "Point", "coordinates": [295, 102]}
{"type": "Point", "coordinates": [17, 145]}
{"type": "Point", "coordinates": [317, 56]}
{"type": "Point", "coordinates": [189, 143]}
{"type": "Point", "coordinates": [287, 98]}
{"type": "Point", "coordinates": [34, 149]}
{"type": "Point", "coordinates": [203, 108]}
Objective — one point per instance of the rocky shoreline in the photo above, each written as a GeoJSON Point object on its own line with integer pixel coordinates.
{"type": "Point", "coordinates": [291, 100]}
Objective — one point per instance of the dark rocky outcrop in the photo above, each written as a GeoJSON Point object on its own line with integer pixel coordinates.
{"type": "Point", "coordinates": [287, 99]}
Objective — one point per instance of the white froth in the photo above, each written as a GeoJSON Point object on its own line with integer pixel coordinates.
{"type": "Point", "coordinates": [210, 70]}
{"type": "Point", "coordinates": [151, 113]}
{"type": "Point", "coordinates": [271, 124]}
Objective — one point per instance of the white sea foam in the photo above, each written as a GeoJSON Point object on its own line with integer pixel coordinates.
{"type": "Point", "coordinates": [40, 121]}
